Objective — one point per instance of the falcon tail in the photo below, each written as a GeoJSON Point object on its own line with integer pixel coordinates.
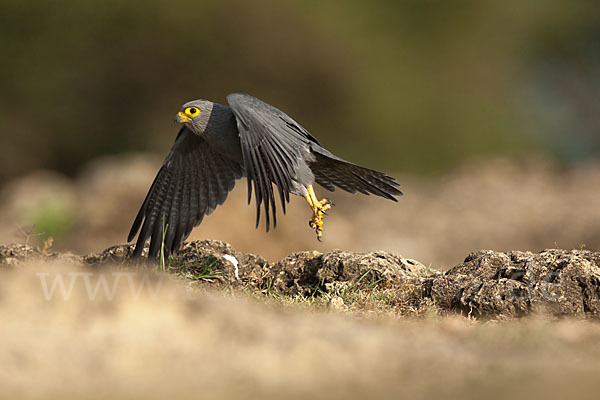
{"type": "Point", "coordinates": [331, 171]}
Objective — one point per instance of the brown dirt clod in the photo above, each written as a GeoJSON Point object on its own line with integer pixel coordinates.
{"type": "Point", "coordinates": [494, 284]}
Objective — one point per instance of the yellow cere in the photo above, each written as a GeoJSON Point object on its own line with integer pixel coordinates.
{"type": "Point", "coordinates": [184, 118]}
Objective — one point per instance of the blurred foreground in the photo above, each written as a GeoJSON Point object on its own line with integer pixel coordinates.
{"type": "Point", "coordinates": [502, 204]}
{"type": "Point", "coordinates": [160, 338]}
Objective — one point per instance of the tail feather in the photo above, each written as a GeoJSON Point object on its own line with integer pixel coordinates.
{"type": "Point", "coordinates": [331, 172]}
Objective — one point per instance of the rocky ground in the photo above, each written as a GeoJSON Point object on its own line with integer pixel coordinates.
{"type": "Point", "coordinates": [217, 323]}
{"type": "Point", "coordinates": [487, 284]}
{"type": "Point", "coordinates": [266, 318]}
{"type": "Point", "coordinates": [320, 325]}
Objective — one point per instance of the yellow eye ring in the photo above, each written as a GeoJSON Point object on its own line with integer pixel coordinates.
{"type": "Point", "coordinates": [192, 111]}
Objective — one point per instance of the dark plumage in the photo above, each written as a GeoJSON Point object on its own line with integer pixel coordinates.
{"type": "Point", "coordinates": [218, 145]}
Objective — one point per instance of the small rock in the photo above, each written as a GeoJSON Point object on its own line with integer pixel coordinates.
{"type": "Point", "coordinates": [337, 303]}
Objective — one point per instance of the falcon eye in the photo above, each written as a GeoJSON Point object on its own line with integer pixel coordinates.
{"type": "Point", "coordinates": [191, 111]}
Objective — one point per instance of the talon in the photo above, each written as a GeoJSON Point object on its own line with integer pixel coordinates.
{"type": "Point", "coordinates": [324, 205]}
{"type": "Point", "coordinates": [319, 209]}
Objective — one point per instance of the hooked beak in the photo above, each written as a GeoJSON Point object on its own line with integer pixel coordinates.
{"type": "Point", "coordinates": [181, 118]}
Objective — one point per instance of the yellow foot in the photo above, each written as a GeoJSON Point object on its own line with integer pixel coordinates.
{"type": "Point", "coordinates": [319, 209]}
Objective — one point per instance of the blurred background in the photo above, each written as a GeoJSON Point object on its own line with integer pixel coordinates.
{"type": "Point", "coordinates": [486, 111]}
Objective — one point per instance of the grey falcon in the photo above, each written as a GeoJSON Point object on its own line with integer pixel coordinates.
{"type": "Point", "coordinates": [217, 145]}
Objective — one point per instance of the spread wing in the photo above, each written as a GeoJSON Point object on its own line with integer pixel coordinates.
{"type": "Point", "coordinates": [272, 148]}
{"type": "Point", "coordinates": [192, 182]}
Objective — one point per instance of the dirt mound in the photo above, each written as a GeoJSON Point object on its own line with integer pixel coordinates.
{"type": "Point", "coordinates": [300, 273]}
{"type": "Point", "coordinates": [487, 284]}
{"type": "Point", "coordinates": [305, 272]}
{"type": "Point", "coordinates": [554, 282]}
{"type": "Point", "coordinates": [16, 254]}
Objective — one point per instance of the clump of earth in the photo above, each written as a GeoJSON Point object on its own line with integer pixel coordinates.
{"type": "Point", "coordinates": [487, 284]}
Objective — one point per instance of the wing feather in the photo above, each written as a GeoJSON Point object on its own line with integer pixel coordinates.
{"type": "Point", "coordinates": [184, 213]}
{"type": "Point", "coordinates": [194, 195]}
{"type": "Point", "coordinates": [272, 148]}
{"type": "Point", "coordinates": [192, 182]}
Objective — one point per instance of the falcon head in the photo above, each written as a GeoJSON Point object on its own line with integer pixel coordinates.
{"type": "Point", "coordinates": [195, 115]}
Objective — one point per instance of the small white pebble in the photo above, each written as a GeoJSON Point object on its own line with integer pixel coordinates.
{"type": "Point", "coordinates": [235, 263]}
